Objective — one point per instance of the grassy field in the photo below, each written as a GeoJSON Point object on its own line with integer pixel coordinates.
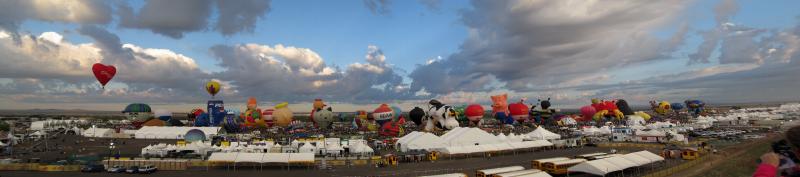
{"type": "Point", "coordinates": [741, 165]}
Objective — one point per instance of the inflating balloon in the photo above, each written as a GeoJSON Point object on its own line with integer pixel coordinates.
{"type": "Point", "coordinates": [474, 113]}
{"type": "Point", "coordinates": [282, 114]}
{"type": "Point", "coordinates": [440, 116]}
{"type": "Point", "coordinates": [398, 113]}
{"type": "Point", "coordinates": [103, 73]}
{"type": "Point", "coordinates": [383, 114]}
{"type": "Point", "coordinates": [416, 115]}
{"type": "Point", "coordinates": [519, 111]}
{"type": "Point", "coordinates": [695, 107]}
{"type": "Point", "coordinates": [212, 87]}
{"type": "Point", "coordinates": [676, 106]}
{"type": "Point", "coordinates": [323, 118]}
{"type": "Point", "coordinates": [624, 108]}
{"type": "Point", "coordinates": [500, 108]}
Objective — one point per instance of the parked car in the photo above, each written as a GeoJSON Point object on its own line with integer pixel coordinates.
{"type": "Point", "coordinates": [92, 168]}
{"type": "Point", "coordinates": [132, 169]}
{"type": "Point", "coordinates": [116, 169]}
{"type": "Point", "coordinates": [147, 169]}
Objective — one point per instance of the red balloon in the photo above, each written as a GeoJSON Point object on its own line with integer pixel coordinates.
{"type": "Point", "coordinates": [103, 73]}
{"type": "Point", "coordinates": [587, 112]}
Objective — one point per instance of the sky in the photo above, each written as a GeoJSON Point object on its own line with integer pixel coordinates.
{"type": "Point", "coordinates": [356, 54]}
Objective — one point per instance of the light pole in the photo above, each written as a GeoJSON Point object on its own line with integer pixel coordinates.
{"type": "Point", "coordinates": [110, 149]}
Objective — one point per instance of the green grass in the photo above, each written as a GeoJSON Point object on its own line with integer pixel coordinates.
{"type": "Point", "coordinates": [742, 165]}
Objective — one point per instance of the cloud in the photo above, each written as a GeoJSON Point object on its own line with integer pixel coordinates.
{"type": "Point", "coordinates": [378, 7]}
{"type": "Point", "coordinates": [14, 12]}
{"type": "Point", "coordinates": [291, 73]}
{"type": "Point", "coordinates": [49, 68]}
{"type": "Point", "coordinates": [176, 17]}
{"type": "Point", "coordinates": [434, 5]}
{"type": "Point", "coordinates": [524, 45]}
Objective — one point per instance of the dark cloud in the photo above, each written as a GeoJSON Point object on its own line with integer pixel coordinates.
{"type": "Point", "coordinates": [170, 18]}
{"type": "Point", "coordinates": [14, 12]}
{"type": "Point", "coordinates": [524, 44]}
{"type": "Point", "coordinates": [174, 18]}
{"type": "Point", "coordinates": [292, 74]}
{"type": "Point", "coordinates": [240, 16]}
{"type": "Point", "coordinates": [378, 7]}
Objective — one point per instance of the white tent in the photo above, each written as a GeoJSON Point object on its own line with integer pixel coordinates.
{"type": "Point", "coordinates": [635, 120]}
{"type": "Point", "coordinates": [154, 132]}
{"type": "Point", "coordinates": [306, 148]}
{"type": "Point", "coordinates": [98, 132]}
{"type": "Point", "coordinates": [419, 141]}
{"type": "Point", "coordinates": [596, 167]}
{"type": "Point", "coordinates": [542, 134]}
{"type": "Point", "coordinates": [616, 163]}
{"type": "Point", "coordinates": [461, 136]}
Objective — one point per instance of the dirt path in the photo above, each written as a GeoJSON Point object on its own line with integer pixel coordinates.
{"type": "Point", "coordinates": [725, 154]}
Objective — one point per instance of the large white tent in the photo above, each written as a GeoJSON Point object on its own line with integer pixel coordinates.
{"type": "Point", "coordinates": [461, 136]}
{"type": "Point", "coordinates": [98, 132]}
{"type": "Point", "coordinates": [542, 134]}
{"type": "Point", "coordinates": [154, 132]}
{"type": "Point", "coordinates": [419, 141]}
{"type": "Point", "coordinates": [261, 157]}
{"type": "Point", "coordinates": [607, 165]}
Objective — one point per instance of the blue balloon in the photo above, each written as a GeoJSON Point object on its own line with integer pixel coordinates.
{"type": "Point", "coordinates": [397, 113]}
{"type": "Point", "coordinates": [676, 106]}
{"type": "Point", "coordinates": [165, 118]}
{"type": "Point", "coordinates": [201, 120]}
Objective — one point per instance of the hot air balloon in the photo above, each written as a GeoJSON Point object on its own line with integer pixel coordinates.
{"type": "Point", "coordinates": [695, 107]}
{"type": "Point", "coordinates": [416, 115]}
{"type": "Point", "coordinates": [474, 113]}
{"type": "Point", "coordinates": [624, 107]}
{"type": "Point", "coordinates": [216, 112]}
{"type": "Point", "coordinates": [282, 114]}
{"type": "Point", "coordinates": [323, 118]}
{"type": "Point", "coordinates": [587, 112]}
{"type": "Point", "coordinates": [440, 116]}
{"type": "Point", "coordinates": [383, 114]}
{"type": "Point", "coordinates": [500, 108]}
{"type": "Point", "coordinates": [103, 73]}
{"type": "Point", "coordinates": [676, 106]}
{"type": "Point", "coordinates": [519, 111]}
{"type": "Point", "coordinates": [266, 116]}
{"type": "Point", "coordinates": [398, 113]}
{"type": "Point", "coordinates": [212, 87]}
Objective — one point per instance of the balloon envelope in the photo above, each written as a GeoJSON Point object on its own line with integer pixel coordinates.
{"type": "Point", "coordinates": [212, 87]}
{"type": "Point", "coordinates": [587, 112]}
{"type": "Point", "coordinates": [416, 115]}
{"type": "Point", "coordinates": [103, 73]}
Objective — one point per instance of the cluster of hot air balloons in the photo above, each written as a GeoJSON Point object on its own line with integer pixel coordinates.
{"type": "Point", "coordinates": [695, 107]}
{"type": "Point", "coordinates": [388, 120]}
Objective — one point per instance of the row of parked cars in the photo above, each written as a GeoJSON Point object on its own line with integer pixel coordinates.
{"type": "Point", "coordinates": [120, 169]}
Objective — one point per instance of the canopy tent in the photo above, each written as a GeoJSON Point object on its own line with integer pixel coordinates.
{"type": "Point", "coordinates": [616, 163]}
{"type": "Point", "coordinates": [596, 167]}
{"type": "Point", "coordinates": [240, 157]}
{"type": "Point", "coordinates": [419, 141]}
{"type": "Point", "coordinates": [98, 132]}
{"type": "Point", "coordinates": [542, 134]}
{"type": "Point", "coordinates": [461, 136]}
{"type": "Point", "coordinates": [153, 132]}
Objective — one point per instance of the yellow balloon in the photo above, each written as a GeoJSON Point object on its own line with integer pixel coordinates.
{"type": "Point", "coordinates": [212, 87]}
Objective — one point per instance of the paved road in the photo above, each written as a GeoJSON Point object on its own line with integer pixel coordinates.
{"type": "Point", "coordinates": [468, 166]}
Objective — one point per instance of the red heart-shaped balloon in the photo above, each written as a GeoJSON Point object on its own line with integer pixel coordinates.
{"type": "Point", "coordinates": [103, 73]}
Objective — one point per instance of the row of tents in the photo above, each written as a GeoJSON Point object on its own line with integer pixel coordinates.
{"type": "Point", "coordinates": [463, 140]}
